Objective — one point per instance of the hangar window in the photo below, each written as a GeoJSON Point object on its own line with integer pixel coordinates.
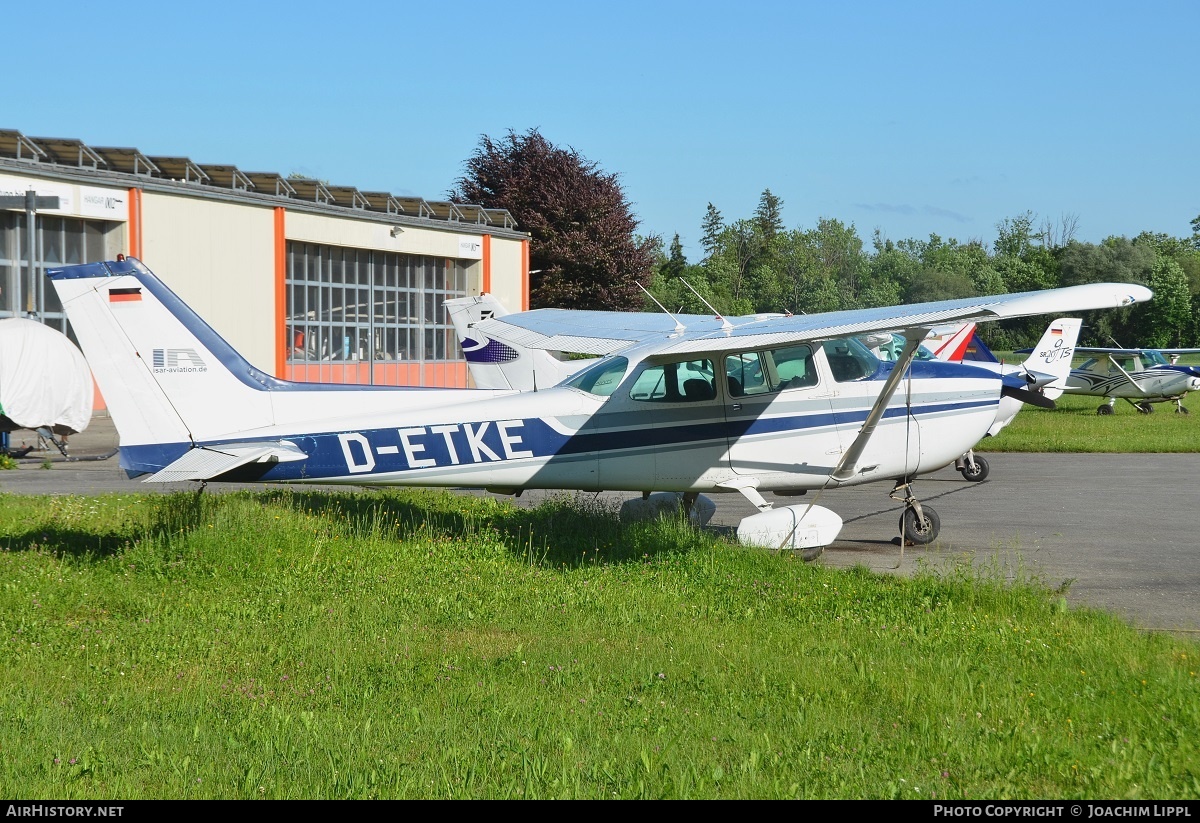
{"type": "Point", "coordinates": [61, 241]}
{"type": "Point", "coordinates": [363, 306]}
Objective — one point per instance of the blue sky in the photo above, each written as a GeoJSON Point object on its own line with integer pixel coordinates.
{"type": "Point", "coordinates": [910, 118]}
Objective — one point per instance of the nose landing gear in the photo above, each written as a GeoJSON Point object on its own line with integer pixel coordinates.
{"type": "Point", "coordinates": [919, 525]}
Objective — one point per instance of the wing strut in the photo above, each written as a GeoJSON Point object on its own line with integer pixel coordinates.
{"type": "Point", "coordinates": [849, 462]}
{"type": "Point", "coordinates": [1131, 381]}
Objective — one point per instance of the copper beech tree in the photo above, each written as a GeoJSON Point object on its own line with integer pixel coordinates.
{"type": "Point", "coordinates": [583, 252]}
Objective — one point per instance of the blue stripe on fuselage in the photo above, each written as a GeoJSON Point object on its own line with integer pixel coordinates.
{"type": "Point", "coordinates": [364, 453]}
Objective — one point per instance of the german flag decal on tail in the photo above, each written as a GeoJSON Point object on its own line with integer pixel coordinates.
{"type": "Point", "coordinates": [124, 295]}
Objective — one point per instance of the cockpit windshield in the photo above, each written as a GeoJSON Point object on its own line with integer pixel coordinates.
{"type": "Point", "coordinates": [890, 351]}
{"type": "Point", "coordinates": [849, 359]}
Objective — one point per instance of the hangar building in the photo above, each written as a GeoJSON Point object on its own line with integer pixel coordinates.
{"type": "Point", "coordinates": [310, 281]}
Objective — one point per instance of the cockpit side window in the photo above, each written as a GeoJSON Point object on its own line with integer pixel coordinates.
{"type": "Point", "coordinates": [746, 374]}
{"type": "Point", "coordinates": [751, 373]}
{"type": "Point", "coordinates": [795, 368]}
{"type": "Point", "coordinates": [1117, 364]}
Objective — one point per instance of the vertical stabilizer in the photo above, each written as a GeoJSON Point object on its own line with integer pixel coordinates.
{"type": "Point", "coordinates": [1053, 353]}
{"type": "Point", "coordinates": [165, 375]}
{"type": "Point", "coordinates": [953, 347]}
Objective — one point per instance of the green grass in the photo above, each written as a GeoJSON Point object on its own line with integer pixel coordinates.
{"type": "Point", "coordinates": [1074, 426]}
{"type": "Point", "coordinates": [428, 645]}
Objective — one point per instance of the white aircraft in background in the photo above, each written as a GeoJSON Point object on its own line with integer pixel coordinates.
{"type": "Point", "coordinates": [505, 364]}
{"type": "Point", "coordinates": [1141, 376]}
{"type": "Point", "coordinates": [812, 408]}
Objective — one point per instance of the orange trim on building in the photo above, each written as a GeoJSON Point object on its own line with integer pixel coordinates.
{"type": "Point", "coordinates": [135, 223]}
{"type": "Point", "coordinates": [486, 288]}
{"type": "Point", "coordinates": [282, 344]}
{"type": "Point", "coordinates": [524, 275]}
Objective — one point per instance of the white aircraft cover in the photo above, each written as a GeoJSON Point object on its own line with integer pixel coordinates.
{"type": "Point", "coordinates": [44, 380]}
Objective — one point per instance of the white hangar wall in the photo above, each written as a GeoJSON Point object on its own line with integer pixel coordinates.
{"type": "Point", "coordinates": [220, 259]}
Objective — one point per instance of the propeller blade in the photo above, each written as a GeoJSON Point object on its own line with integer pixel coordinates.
{"type": "Point", "coordinates": [1031, 397]}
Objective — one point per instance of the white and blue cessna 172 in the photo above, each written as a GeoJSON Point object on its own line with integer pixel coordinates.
{"type": "Point", "coordinates": [809, 407]}
{"type": "Point", "coordinates": [1141, 376]}
{"type": "Point", "coordinates": [497, 360]}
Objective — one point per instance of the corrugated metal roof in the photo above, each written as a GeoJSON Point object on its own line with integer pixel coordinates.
{"type": "Point", "coordinates": [74, 153]}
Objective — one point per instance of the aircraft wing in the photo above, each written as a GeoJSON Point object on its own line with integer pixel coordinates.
{"type": "Point", "coordinates": [598, 332]}
{"type": "Point", "coordinates": [1102, 350]}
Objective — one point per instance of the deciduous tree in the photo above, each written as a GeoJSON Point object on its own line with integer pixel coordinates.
{"type": "Point", "coordinates": [583, 250]}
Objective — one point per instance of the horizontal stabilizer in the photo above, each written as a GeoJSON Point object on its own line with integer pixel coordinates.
{"type": "Point", "coordinates": [208, 462]}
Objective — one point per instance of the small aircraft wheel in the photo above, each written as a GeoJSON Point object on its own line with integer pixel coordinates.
{"type": "Point", "coordinates": [1105, 409]}
{"type": "Point", "coordinates": [1145, 408]}
{"type": "Point", "coordinates": [914, 532]}
{"type": "Point", "coordinates": [809, 555]}
{"type": "Point", "coordinates": [979, 472]}
{"type": "Point", "coordinates": [1181, 410]}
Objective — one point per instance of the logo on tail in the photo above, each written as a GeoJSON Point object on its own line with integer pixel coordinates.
{"type": "Point", "coordinates": [178, 361]}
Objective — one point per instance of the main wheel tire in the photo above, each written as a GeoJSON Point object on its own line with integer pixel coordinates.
{"type": "Point", "coordinates": [979, 472]}
{"type": "Point", "coordinates": [914, 532]}
{"type": "Point", "coordinates": [1182, 410]}
{"type": "Point", "coordinates": [1105, 409]}
{"type": "Point", "coordinates": [1145, 408]}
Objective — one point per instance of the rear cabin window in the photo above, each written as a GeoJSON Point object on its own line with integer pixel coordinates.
{"type": "Point", "coordinates": [601, 379]}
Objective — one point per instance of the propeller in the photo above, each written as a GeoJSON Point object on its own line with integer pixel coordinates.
{"type": "Point", "coordinates": [1033, 398]}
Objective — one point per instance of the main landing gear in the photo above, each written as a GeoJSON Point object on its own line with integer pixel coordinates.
{"type": "Point", "coordinates": [919, 525]}
{"type": "Point", "coordinates": [1143, 407]}
{"type": "Point", "coordinates": [972, 467]}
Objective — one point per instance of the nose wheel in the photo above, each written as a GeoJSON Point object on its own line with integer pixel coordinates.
{"type": "Point", "coordinates": [919, 525]}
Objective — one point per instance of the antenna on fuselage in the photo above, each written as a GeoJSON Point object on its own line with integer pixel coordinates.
{"type": "Point", "coordinates": [679, 327]}
{"type": "Point", "coordinates": [725, 324]}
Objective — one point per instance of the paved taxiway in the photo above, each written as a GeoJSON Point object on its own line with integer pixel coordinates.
{"type": "Point", "coordinates": [1117, 527]}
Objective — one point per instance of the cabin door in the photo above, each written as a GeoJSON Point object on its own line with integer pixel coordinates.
{"type": "Point", "coordinates": [778, 414]}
